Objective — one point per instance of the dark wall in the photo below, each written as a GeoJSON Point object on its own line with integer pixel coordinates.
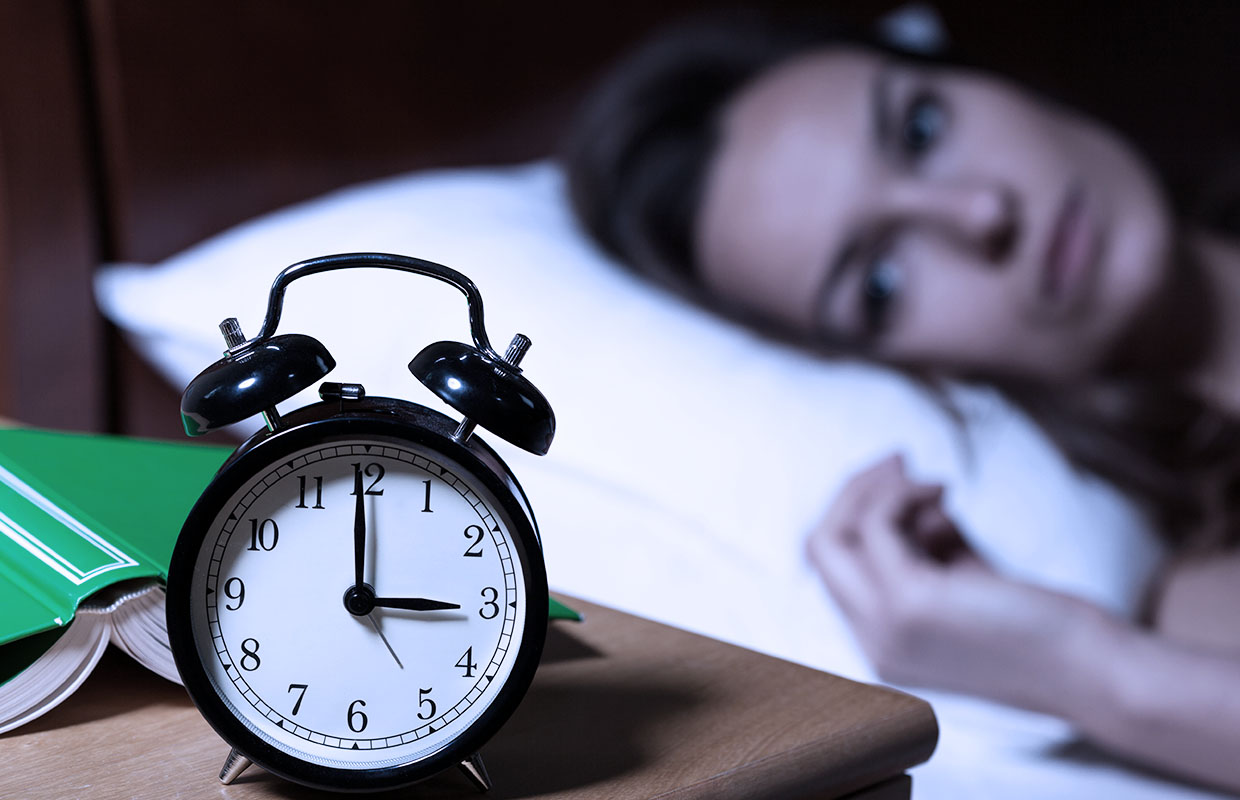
{"type": "Point", "coordinates": [132, 129]}
{"type": "Point", "coordinates": [213, 116]}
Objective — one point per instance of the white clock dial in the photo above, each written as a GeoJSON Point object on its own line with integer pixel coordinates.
{"type": "Point", "coordinates": [323, 682]}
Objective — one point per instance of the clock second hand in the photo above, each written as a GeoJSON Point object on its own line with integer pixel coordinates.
{"type": "Point", "coordinates": [379, 631]}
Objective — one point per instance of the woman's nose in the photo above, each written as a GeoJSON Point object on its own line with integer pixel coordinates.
{"type": "Point", "coordinates": [981, 214]}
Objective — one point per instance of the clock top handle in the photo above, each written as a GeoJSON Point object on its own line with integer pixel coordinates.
{"type": "Point", "coordinates": [418, 266]}
{"type": "Point", "coordinates": [258, 373]}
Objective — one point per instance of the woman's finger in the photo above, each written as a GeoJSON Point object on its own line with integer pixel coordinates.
{"type": "Point", "coordinates": [837, 561]}
{"type": "Point", "coordinates": [837, 550]}
{"type": "Point", "coordinates": [934, 533]}
{"type": "Point", "coordinates": [886, 525]}
{"type": "Point", "coordinates": [858, 492]}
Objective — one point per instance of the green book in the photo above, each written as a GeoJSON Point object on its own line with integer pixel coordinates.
{"type": "Point", "coordinates": [87, 528]}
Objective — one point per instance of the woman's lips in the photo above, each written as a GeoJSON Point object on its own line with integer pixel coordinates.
{"type": "Point", "coordinates": [1072, 248]}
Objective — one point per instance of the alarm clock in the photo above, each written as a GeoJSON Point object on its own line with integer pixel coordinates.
{"type": "Point", "coordinates": [358, 600]}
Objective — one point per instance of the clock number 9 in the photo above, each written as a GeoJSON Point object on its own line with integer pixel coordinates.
{"type": "Point", "coordinates": [239, 595]}
{"type": "Point", "coordinates": [358, 716]}
{"type": "Point", "coordinates": [490, 603]}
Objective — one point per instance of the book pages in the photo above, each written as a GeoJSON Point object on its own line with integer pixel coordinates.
{"type": "Point", "coordinates": [56, 674]}
{"type": "Point", "coordinates": [139, 628]}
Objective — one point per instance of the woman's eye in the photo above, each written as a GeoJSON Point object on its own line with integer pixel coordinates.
{"type": "Point", "coordinates": [925, 117]}
{"type": "Point", "coordinates": [879, 287]}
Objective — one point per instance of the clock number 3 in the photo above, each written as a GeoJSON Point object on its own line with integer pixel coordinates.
{"type": "Point", "coordinates": [490, 604]}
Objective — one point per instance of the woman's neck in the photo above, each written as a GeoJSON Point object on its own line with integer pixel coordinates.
{"type": "Point", "coordinates": [1213, 374]}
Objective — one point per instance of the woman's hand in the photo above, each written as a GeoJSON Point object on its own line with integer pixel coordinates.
{"type": "Point", "coordinates": [929, 612]}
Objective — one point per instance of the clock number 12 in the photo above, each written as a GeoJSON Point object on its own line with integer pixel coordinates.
{"type": "Point", "coordinates": [375, 471]}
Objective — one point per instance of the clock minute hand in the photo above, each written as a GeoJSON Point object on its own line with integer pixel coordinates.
{"type": "Point", "coordinates": [414, 604]}
{"type": "Point", "coordinates": [359, 533]}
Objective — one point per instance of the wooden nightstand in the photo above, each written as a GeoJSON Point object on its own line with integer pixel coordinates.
{"type": "Point", "coordinates": [621, 708]}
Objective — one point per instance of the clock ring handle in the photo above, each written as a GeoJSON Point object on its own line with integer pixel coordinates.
{"type": "Point", "coordinates": [418, 266]}
{"type": "Point", "coordinates": [488, 388]}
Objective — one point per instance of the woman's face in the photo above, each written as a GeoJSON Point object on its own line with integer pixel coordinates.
{"type": "Point", "coordinates": [932, 217]}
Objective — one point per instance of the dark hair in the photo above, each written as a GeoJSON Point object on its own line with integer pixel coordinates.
{"type": "Point", "coordinates": [638, 152]}
{"type": "Point", "coordinates": [636, 161]}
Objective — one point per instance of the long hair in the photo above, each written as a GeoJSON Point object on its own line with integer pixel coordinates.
{"type": "Point", "coordinates": [637, 158]}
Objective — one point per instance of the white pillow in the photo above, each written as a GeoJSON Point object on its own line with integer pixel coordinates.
{"type": "Point", "coordinates": [691, 455]}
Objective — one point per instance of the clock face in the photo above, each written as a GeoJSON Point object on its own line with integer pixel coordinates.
{"type": "Point", "coordinates": [359, 676]}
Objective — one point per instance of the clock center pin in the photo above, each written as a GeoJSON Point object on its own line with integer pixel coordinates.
{"type": "Point", "coordinates": [359, 600]}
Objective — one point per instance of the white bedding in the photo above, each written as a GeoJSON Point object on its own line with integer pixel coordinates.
{"type": "Point", "coordinates": [691, 455]}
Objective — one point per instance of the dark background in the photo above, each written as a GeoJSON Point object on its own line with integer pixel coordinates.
{"type": "Point", "coordinates": [130, 130]}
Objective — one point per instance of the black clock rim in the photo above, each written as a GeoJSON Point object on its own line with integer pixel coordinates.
{"type": "Point", "coordinates": [413, 424]}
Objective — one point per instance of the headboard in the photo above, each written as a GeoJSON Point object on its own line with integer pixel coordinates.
{"type": "Point", "coordinates": [131, 129]}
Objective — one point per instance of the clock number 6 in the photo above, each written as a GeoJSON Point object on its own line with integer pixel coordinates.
{"type": "Point", "coordinates": [355, 714]}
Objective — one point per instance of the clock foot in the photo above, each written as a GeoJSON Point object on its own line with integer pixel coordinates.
{"type": "Point", "coordinates": [234, 765]}
{"type": "Point", "coordinates": [477, 772]}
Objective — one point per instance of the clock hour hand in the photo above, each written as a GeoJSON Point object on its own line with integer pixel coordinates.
{"type": "Point", "coordinates": [359, 532]}
{"type": "Point", "coordinates": [413, 604]}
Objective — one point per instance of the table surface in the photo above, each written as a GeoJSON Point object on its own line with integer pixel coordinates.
{"type": "Point", "coordinates": [620, 708]}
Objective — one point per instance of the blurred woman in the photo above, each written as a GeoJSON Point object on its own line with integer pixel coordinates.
{"type": "Point", "coordinates": [857, 199]}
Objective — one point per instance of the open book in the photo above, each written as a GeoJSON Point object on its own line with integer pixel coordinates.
{"type": "Point", "coordinates": [87, 527]}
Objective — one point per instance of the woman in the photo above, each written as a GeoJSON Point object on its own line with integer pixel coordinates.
{"type": "Point", "coordinates": [950, 222]}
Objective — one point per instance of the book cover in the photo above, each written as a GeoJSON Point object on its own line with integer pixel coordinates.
{"type": "Point", "coordinates": [79, 513]}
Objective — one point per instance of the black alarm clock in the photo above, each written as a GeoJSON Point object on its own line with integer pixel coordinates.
{"type": "Point", "coordinates": [358, 600]}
